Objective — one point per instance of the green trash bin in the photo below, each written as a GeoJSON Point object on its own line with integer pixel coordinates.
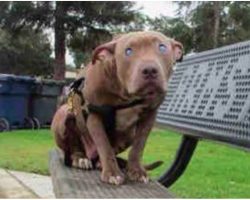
{"type": "Point", "coordinates": [44, 101]}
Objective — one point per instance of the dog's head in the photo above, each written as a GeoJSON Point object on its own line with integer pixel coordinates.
{"type": "Point", "coordinates": [143, 61]}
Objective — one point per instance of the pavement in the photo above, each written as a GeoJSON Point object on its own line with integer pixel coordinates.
{"type": "Point", "coordinates": [15, 184]}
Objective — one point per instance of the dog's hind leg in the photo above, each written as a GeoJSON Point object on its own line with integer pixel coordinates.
{"type": "Point", "coordinates": [69, 138]}
{"type": "Point", "coordinates": [74, 152]}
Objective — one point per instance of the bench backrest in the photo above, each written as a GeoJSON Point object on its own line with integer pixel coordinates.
{"type": "Point", "coordinates": [209, 95]}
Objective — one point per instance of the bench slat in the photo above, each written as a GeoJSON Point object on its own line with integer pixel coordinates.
{"type": "Point", "coordinates": [76, 183]}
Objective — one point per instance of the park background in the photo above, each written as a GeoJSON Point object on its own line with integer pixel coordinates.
{"type": "Point", "coordinates": [37, 38]}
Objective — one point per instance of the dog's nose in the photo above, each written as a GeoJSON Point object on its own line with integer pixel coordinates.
{"type": "Point", "coordinates": [150, 72]}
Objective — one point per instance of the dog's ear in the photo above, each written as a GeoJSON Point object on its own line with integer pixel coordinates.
{"type": "Point", "coordinates": [108, 47]}
{"type": "Point", "coordinates": [178, 50]}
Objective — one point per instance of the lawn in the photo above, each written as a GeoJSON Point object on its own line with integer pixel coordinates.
{"type": "Point", "coordinates": [216, 171]}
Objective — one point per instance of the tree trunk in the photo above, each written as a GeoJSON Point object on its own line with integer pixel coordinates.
{"type": "Point", "coordinates": [60, 36]}
{"type": "Point", "coordinates": [217, 9]}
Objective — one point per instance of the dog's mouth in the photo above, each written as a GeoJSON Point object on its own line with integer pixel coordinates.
{"type": "Point", "coordinates": [151, 95]}
{"type": "Point", "coordinates": [151, 91]}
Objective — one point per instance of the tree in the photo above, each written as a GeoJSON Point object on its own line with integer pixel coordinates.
{"type": "Point", "coordinates": [206, 20]}
{"type": "Point", "coordinates": [92, 18]}
{"type": "Point", "coordinates": [66, 18]}
{"type": "Point", "coordinates": [238, 28]}
{"type": "Point", "coordinates": [27, 53]}
{"type": "Point", "coordinates": [216, 24]}
{"type": "Point", "coordinates": [217, 10]}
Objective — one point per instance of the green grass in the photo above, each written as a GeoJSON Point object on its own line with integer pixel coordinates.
{"type": "Point", "coordinates": [216, 171]}
{"type": "Point", "coordinates": [26, 150]}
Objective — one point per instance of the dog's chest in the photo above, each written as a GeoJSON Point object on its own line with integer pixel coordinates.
{"type": "Point", "coordinates": [126, 118]}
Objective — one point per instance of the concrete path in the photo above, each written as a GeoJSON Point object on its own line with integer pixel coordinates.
{"type": "Point", "coordinates": [14, 184]}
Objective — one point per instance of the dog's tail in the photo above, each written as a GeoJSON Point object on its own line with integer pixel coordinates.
{"type": "Point", "coordinates": [123, 163]}
{"type": "Point", "coordinates": [153, 165]}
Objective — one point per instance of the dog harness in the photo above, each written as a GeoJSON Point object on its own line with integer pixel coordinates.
{"type": "Point", "coordinates": [107, 112]}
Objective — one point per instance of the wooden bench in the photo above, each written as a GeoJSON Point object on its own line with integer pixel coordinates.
{"type": "Point", "coordinates": [208, 98]}
{"type": "Point", "coordinates": [76, 183]}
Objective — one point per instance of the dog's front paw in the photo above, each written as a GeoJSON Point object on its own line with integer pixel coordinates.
{"type": "Point", "coordinates": [137, 174]}
{"type": "Point", "coordinates": [115, 178]}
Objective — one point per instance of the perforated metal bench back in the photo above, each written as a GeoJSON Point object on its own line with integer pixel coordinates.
{"type": "Point", "coordinates": [209, 95]}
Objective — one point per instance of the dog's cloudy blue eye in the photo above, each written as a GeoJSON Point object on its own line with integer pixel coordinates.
{"type": "Point", "coordinates": [128, 52]}
{"type": "Point", "coordinates": [162, 48]}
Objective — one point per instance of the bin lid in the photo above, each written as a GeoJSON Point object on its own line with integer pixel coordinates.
{"type": "Point", "coordinates": [6, 77]}
{"type": "Point", "coordinates": [12, 77]}
{"type": "Point", "coordinates": [50, 82]}
{"type": "Point", "coordinates": [26, 79]}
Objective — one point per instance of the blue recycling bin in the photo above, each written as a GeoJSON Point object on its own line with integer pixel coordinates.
{"type": "Point", "coordinates": [44, 101]}
{"type": "Point", "coordinates": [14, 100]}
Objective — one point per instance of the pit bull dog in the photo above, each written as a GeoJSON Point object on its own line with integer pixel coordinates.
{"type": "Point", "coordinates": [124, 85]}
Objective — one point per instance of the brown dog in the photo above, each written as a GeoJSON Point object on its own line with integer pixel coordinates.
{"type": "Point", "coordinates": [134, 66]}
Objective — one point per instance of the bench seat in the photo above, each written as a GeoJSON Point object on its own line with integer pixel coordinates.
{"type": "Point", "coordinates": [76, 183]}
